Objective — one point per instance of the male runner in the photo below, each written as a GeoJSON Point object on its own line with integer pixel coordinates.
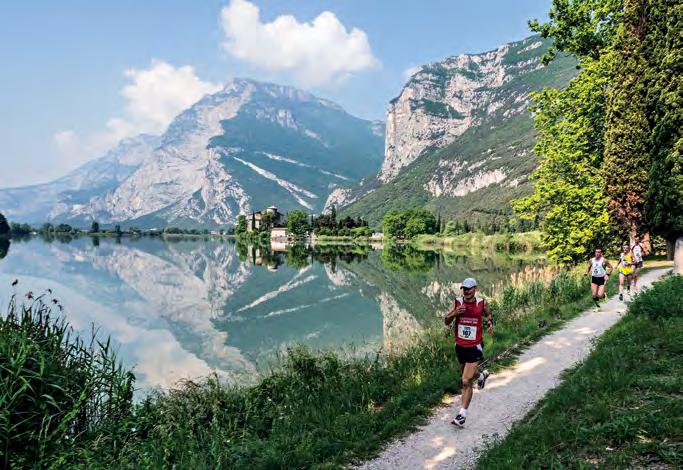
{"type": "Point", "coordinates": [468, 312]}
{"type": "Point", "coordinates": [638, 250]}
{"type": "Point", "coordinates": [625, 266]}
{"type": "Point", "coordinates": [599, 275]}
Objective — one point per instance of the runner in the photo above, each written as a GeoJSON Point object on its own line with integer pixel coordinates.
{"type": "Point", "coordinates": [638, 250]}
{"type": "Point", "coordinates": [468, 312]}
{"type": "Point", "coordinates": [599, 275]}
{"type": "Point", "coordinates": [625, 270]}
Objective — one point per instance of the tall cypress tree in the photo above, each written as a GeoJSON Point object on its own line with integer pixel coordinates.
{"type": "Point", "coordinates": [664, 208]}
{"type": "Point", "coordinates": [627, 160]}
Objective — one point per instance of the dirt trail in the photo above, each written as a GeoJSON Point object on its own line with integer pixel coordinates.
{"type": "Point", "coordinates": [508, 396]}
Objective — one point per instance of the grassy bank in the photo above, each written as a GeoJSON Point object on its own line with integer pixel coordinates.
{"type": "Point", "coordinates": [475, 242]}
{"type": "Point", "coordinates": [622, 407]}
{"type": "Point", "coordinates": [317, 409]}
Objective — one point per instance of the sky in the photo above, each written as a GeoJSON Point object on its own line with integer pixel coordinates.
{"type": "Point", "coordinates": [79, 75]}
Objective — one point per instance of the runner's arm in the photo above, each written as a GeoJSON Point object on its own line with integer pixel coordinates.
{"type": "Point", "coordinates": [450, 316]}
{"type": "Point", "coordinates": [489, 318]}
{"type": "Point", "coordinates": [609, 266]}
{"type": "Point", "coordinates": [588, 269]}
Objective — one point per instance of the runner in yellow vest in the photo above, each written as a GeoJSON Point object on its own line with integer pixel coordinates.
{"type": "Point", "coordinates": [625, 267]}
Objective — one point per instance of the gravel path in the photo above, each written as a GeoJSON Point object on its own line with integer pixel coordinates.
{"type": "Point", "coordinates": [508, 396]}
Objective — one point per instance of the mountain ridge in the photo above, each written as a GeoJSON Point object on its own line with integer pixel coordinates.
{"type": "Point", "coordinates": [460, 136]}
{"type": "Point", "coordinates": [249, 145]}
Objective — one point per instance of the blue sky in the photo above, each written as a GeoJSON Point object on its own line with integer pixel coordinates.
{"type": "Point", "coordinates": [66, 95]}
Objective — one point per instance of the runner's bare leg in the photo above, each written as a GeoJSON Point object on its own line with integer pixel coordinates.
{"type": "Point", "coordinates": [468, 374]}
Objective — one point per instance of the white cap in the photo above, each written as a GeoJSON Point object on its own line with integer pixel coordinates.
{"type": "Point", "coordinates": [468, 283]}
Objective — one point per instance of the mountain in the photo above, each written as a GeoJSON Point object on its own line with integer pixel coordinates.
{"type": "Point", "coordinates": [56, 199]}
{"type": "Point", "coordinates": [248, 146]}
{"type": "Point", "coordinates": [459, 136]}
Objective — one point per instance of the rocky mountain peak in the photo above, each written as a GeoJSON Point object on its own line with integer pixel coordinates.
{"type": "Point", "coordinates": [444, 99]}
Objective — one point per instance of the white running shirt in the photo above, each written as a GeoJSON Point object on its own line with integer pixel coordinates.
{"type": "Point", "coordinates": [638, 252]}
{"type": "Point", "coordinates": [598, 267]}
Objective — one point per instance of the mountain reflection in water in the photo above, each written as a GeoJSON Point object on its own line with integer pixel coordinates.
{"type": "Point", "coordinates": [185, 308]}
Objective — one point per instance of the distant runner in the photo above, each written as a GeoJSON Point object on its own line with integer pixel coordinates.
{"type": "Point", "coordinates": [638, 250]}
{"type": "Point", "coordinates": [598, 267]}
{"type": "Point", "coordinates": [625, 266]}
{"type": "Point", "coordinates": [468, 312]}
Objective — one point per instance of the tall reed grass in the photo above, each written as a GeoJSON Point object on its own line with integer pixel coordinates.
{"type": "Point", "coordinates": [57, 391]}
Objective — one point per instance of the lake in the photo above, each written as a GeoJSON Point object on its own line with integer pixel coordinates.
{"type": "Point", "coordinates": [185, 308]}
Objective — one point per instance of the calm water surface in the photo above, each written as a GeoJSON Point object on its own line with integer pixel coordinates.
{"type": "Point", "coordinates": [186, 308]}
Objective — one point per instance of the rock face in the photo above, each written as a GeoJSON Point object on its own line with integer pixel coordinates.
{"type": "Point", "coordinates": [443, 100]}
{"type": "Point", "coordinates": [459, 128]}
{"type": "Point", "coordinates": [250, 145]}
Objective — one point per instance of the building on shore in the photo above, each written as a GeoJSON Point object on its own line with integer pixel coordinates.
{"type": "Point", "coordinates": [255, 219]}
{"type": "Point", "coordinates": [279, 234]}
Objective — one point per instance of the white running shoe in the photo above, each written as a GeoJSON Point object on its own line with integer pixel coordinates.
{"type": "Point", "coordinates": [459, 421]}
{"type": "Point", "coordinates": [481, 382]}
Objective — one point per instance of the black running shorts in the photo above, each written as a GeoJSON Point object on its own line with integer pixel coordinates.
{"type": "Point", "coordinates": [639, 264]}
{"type": "Point", "coordinates": [469, 354]}
{"type": "Point", "coordinates": [598, 281]}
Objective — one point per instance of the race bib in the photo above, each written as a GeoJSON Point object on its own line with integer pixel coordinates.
{"type": "Point", "coordinates": [596, 271]}
{"type": "Point", "coordinates": [468, 332]}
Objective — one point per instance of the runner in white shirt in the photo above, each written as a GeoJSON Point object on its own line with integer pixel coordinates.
{"type": "Point", "coordinates": [638, 250]}
{"type": "Point", "coordinates": [598, 268]}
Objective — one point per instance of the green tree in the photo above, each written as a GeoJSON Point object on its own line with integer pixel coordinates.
{"type": "Point", "coordinates": [394, 223]}
{"type": "Point", "coordinates": [627, 161]}
{"type": "Point", "coordinates": [568, 184]}
{"type": "Point", "coordinates": [4, 226]}
{"type": "Point", "coordinates": [297, 223]}
{"type": "Point", "coordinates": [117, 229]}
{"type": "Point", "coordinates": [241, 226]}
{"type": "Point", "coordinates": [95, 227]}
{"type": "Point", "coordinates": [664, 206]}
{"type": "Point", "coordinates": [585, 28]}
{"type": "Point", "coordinates": [420, 221]}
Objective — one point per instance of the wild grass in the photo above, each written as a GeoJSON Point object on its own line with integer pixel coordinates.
{"type": "Point", "coordinates": [622, 407]}
{"type": "Point", "coordinates": [317, 410]}
{"type": "Point", "coordinates": [57, 392]}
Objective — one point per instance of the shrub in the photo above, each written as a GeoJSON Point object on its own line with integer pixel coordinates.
{"type": "Point", "coordinates": [663, 302]}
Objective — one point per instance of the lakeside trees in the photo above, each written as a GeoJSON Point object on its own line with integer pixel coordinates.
{"type": "Point", "coordinates": [4, 226]}
{"type": "Point", "coordinates": [609, 143]}
{"type": "Point", "coordinates": [409, 224]}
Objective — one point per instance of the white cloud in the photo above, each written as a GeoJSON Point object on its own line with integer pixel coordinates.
{"type": "Point", "coordinates": [153, 97]}
{"type": "Point", "coordinates": [319, 52]}
{"type": "Point", "coordinates": [156, 95]}
{"type": "Point", "coordinates": [410, 71]}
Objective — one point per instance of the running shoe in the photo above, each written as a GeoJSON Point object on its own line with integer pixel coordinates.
{"type": "Point", "coordinates": [459, 421]}
{"type": "Point", "coordinates": [481, 382]}
{"type": "Point", "coordinates": [597, 308]}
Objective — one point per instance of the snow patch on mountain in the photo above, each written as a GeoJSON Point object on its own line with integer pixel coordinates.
{"type": "Point", "coordinates": [293, 189]}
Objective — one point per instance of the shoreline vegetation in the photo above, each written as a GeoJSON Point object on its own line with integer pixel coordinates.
{"type": "Point", "coordinates": [522, 242]}
{"type": "Point", "coordinates": [621, 407]}
{"type": "Point", "coordinates": [316, 409]}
